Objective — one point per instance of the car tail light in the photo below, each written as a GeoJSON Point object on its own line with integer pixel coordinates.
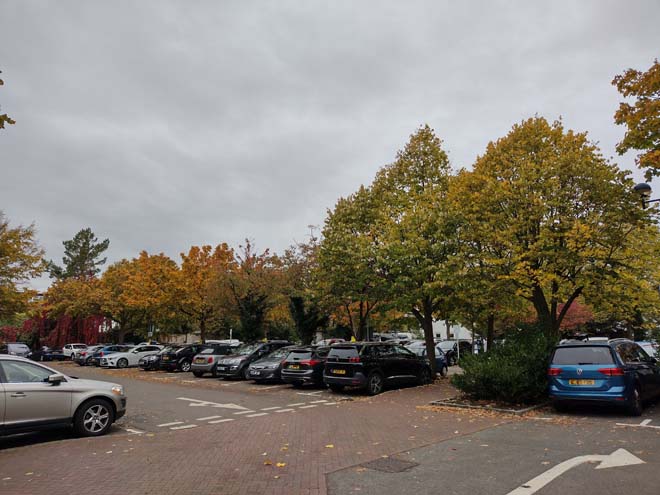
{"type": "Point", "coordinates": [209, 360]}
{"type": "Point", "coordinates": [611, 371]}
{"type": "Point", "coordinates": [554, 371]}
{"type": "Point", "coordinates": [310, 362]}
{"type": "Point", "coordinates": [101, 355]}
{"type": "Point", "coordinates": [353, 359]}
{"type": "Point", "coordinates": [83, 354]}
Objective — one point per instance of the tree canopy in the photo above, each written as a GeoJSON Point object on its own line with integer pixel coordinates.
{"type": "Point", "coordinates": [82, 256]}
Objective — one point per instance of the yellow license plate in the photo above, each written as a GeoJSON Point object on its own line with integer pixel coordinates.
{"type": "Point", "coordinates": [339, 372]}
{"type": "Point", "coordinates": [582, 382]}
{"type": "Point", "coordinates": [294, 366]}
{"type": "Point", "coordinates": [200, 360]}
{"type": "Point", "coordinates": [166, 358]}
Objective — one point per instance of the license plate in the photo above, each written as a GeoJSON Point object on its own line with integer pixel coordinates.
{"type": "Point", "coordinates": [166, 358]}
{"type": "Point", "coordinates": [199, 360]}
{"type": "Point", "coordinates": [294, 366]}
{"type": "Point", "coordinates": [255, 372]}
{"type": "Point", "coordinates": [338, 372]}
{"type": "Point", "coordinates": [222, 368]}
{"type": "Point", "coordinates": [582, 382]}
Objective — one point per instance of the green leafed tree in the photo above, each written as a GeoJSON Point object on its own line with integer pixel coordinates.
{"type": "Point", "coordinates": [557, 218]}
{"type": "Point", "coordinates": [641, 116]}
{"type": "Point", "coordinates": [82, 256]}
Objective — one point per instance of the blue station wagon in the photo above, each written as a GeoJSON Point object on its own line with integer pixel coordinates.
{"type": "Point", "coordinates": [618, 371]}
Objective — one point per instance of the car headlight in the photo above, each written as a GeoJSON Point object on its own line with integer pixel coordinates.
{"type": "Point", "coordinates": [118, 390]}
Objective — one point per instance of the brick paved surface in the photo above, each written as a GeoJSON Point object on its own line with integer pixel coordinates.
{"type": "Point", "coordinates": [239, 457]}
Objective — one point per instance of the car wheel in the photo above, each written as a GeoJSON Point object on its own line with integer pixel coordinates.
{"type": "Point", "coordinates": [185, 365]}
{"type": "Point", "coordinates": [214, 372]}
{"type": "Point", "coordinates": [246, 373]}
{"type": "Point", "coordinates": [336, 387]}
{"type": "Point", "coordinates": [375, 383]}
{"type": "Point", "coordinates": [93, 418]}
{"type": "Point", "coordinates": [122, 363]}
{"type": "Point", "coordinates": [297, 384]}
{"type": "Point", "coordinates": [198, 374]}
{"type": "Point", "coordinates": [425, 376]}
{"type": "Point", "coordinates": [636, 405]}
{"type": "Point", "coordinates": [72, 356]}
{"type": "Point", "coordinates": [88, 362]}
{"type": "Point", "coordinates": [560, 406]}
{"type": "Point", "coordinates": [444, 371]}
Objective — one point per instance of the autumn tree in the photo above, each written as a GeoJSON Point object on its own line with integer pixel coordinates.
{"type": "Point", "coordinates": [118, 300]}
{"type": "Point", "coordinates": [348, 260]}
{"type": "Point", "coordinates": [203, 269]}
{"type": "Point", "coordinates": [557, 217]}
{"type": "Point", "coordinates": [418, 231]}
{"type": "Point", "coordinates": [82, 256]}
{"type": "Point", "coordinates": [642, 117]}
{"type": "Point", "coordinates": [4, 118]}
{"type": "Point", "coordinates": [20, 260]}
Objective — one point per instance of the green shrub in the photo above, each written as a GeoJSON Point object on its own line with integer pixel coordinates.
{"type": "Point", "coordinates": [513, 372]}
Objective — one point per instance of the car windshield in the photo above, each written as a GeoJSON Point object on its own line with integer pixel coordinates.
{"type": "Point", "coordinates": [244, 350]}
{"type": "Point", "coordinates": [583, 355]}
{"type": "Point", "coordinates": [300, 354]}
{"type": "Point", "coordinates": [19, 347]}
{"type": "Point", "coordinates": [343, 352]}
{"type": "Point", "coordinates": [279, 353]}
{"type": "Point", "coordinates": [447, 345]}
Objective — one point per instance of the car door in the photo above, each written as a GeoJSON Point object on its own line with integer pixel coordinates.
{"type": "Point", "coordinates": [409, 364]}
{"type": "Point", "coordinates": [30, 398]}
{"type": "Point", "coordinates": [651, 365]}
{"type": "Point", "coordinates": [633, 361]}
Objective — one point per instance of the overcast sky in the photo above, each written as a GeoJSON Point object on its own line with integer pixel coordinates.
{"type": "Point", "coordinates": [165, 124]}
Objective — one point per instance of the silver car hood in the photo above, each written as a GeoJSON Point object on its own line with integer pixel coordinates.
{"type": "Point", "coordinates": [81, 384]}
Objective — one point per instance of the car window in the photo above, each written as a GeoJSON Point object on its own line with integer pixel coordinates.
{"type": "Point", "coordinates": [402, 351]}
{"type": "Point", "coordinates": [626, 352]}
{"type": "Point", "coordinates": [446, 345]}
{"type": "Point", "coordinates": [343, 352]}
{"type": "Point", "coordinates": [583, 355]}
{"type": "Point", "coordinates": [322, 352]}
{"type": "Point", "coordinates": [17, 372]}
{"type": "Point", "coordinates": [639, 354]}
{"type": "Point", "coordinates": [385, 351]}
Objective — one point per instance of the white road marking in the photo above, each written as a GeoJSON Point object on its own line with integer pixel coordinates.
{"type": "Point", "coordinates": [313, 394]}
{"type": "Point", "coordinates": [307, 407]}
{"type": "Point", "coordinates": [220, 421]}
{"type": "Point", "coordinates": [134, 432]}
{"type": "Point", "coordinates": [618, 458]}
{"type": "Point", "coordinates": [184, 427]}
{"type": "Point", "coordinates": [202, 403]}
{"type": "Point", "coordinates": [643, 424]}
{"type": "Point", "coordinates": [284, 410]}
{"type": "Point", "coordinates": [270, 408]}
{"type": "Point", "coordinates": [244, 412]}
{"type": "Point", "coordinates": [170, 424]}
{"type": "Point", "coordinates": [318, 401]}
{"type": "Point", "coordinates": [331, 403]}
{"type": "Point", "coordinates": [296, 404]}
{"type": "Point", "coordinates": [207, 418]}
{"type": "Point", "coordinates": [255, 415]}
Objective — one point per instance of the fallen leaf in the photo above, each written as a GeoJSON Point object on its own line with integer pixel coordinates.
{"type": "Point", "coordinates": [281, 464]}
{"type": "Point", "coordinates": [29, 474]}
{"type": "Point", "coordinates": [330, 446]}
{"type": "Point", "coordinates": [268, 463]}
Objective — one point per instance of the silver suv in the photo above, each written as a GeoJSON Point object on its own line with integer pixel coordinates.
{"type": "Point", "coordinates": [35, 397]}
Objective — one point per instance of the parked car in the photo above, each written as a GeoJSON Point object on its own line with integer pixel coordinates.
{"type": "Point", "coordinates": [104, 351]}
{"type": "Point", "coordinates": [86, 356]}
{"type": "Point", "coordinates": [152, 361]}
{"type": "Point", "coordinates": [36, 397]}
{"type": "Point", "coordinates": [237, 364]}
{"type": "Point", "coordinates": [207, 360]}
{"type": "Point", "coordinates": [451, 350]}
{"type": "Point", "coordinates": [15, 349]}
{"type": "Point", "coordinates": [372, 366]}
{"type": "Point", "coordinates": [180, 358]}
{"type": "Point", "coordinates": [305, 365]}
{"type": "Point", "coordinates": [617, 372]}
{"type": "Point", "coordinates": [269, 367]}
{"type": "Point", "coordinates": [130, 357]}
{"type": "Point", "coordinates": [47, 354]}
{"type": "Point", "coordinates": [419, 348]}
{"type": "Point", "coordinates": [72, 350]}
{"type": "Point", "coordinates": [651, 348]}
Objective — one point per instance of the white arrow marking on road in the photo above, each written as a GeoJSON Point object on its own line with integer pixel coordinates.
{"type": "Point", "coordinates": [203, 403]}
{"type": "Point", "coordinates": [618, 458]}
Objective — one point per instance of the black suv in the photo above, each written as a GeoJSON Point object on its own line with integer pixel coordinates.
{"type": "Point", "coordinates": [372, 365]}
{"type": "Point", "coordinates": [305, 365]}
{"type": "Point", "coordinates": [237, 364]}
{"type": "Point", "coordinates": [180, 358]}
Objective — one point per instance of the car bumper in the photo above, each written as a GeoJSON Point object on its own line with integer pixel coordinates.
{"type": "Point", "coordinates": [202, 367]}
{"type": "Point", "coordinates": [228, 372]}
{"type": "Point", "coordinates": [307, 376]}
{"type": "Point", "coordinates": [264, 374]}
{"type": "Point", "coordinates": [357, 380]}
{"type": "Point", "coordinates": [615, 395]}
{"type": "Point", "coordinates": [120, 406]}
{"type": "Point", "coordinates": [169, 366]}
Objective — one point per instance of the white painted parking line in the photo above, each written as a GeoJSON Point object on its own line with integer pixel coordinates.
{"type": "Point", "coordinates": [270, 408]}
{"type": "Point", "coordinates": [244, 412]}
{"type": "Point", "coordinates": [184, 427]}
{"type": "Point", "coordinates": [330, 403]}
{"type": "Point", "coordinates": [318, 401]}
{"type": "Point", "coordinates": [255, 415]}
{"type": "Point", "coordinates": [284, 410]}
{"type": "Point", "coordinates": [308, 407]}
{"type": "Point", "coordinates": [134, 432]}
{"type": "Point", "coordinates": [645, 422]}
{"type": "Point", "coordinates": [220, 421]}
{"type": "Point", "coordinates": [207, 418]}
{"type": "Point", "coordinates": [296, 404]}
{"type": "Point", "coordinates": [170, 424]}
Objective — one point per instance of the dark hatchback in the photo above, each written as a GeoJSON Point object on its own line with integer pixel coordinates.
{"type": "Point", "coordinates": [47, 354]}
{"type": "Point", "coordinates": [237, 365]}
{"type": "Point", "coordinates": [152, 361]}
{"type": "Point", "coordinates": [305, 365]}
{"type": "Point", "coordinates": [372, 366]}
{"type": "Point", "coordinates": [180, 358]}
{"type": "Point", "coordinates": [617, 372]}
{"type": "Point", "coordinates": [269, 367]}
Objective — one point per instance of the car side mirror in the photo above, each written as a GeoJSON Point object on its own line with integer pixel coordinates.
{"type": "Point", "coordinates": [55, 379]}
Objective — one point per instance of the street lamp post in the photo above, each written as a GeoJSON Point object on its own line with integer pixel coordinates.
{"type": "Point", "coordinates": [644, 191]}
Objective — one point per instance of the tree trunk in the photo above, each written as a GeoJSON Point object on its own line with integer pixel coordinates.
{"type": "Point", "coordinates": [425, 319]}
{"type": "Point", "coordinates": [202, 330]}
{"type": "Point", "coordinates": [490, 331]}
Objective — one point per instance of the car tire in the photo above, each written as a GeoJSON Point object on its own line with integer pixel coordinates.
{"type": "Point", "coordinates": [297, 384]}
{"type": "Point", "coordinates": [444, 371]}
{"type": "Point", "coordinates": [72, 356]}
{"type": "Point", "coordinates": [214, 372]}
{"type": "Point", "coordinates": [375, 383]}
{"type": "Point", "coordinates": [88, 362]}
{"type": "Point", "coordinates": [122, 363]}
{"type": "Point", "coordinates": [636, 405]}
{"type": "Point", "coordinates": [335, 387]}
{"type": "Point", "coordinates": [560, 406]}
{"type": "Point", "coordinates": [245, 374]}
{"type": "Point", "coordinates": [425, 376]}
{"type": "Point", "coordinates": [198, 374]}
{"type": "Point", "coordinates": [185, 365]}
{"type": "Point", "coordinates": [94, 418]}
